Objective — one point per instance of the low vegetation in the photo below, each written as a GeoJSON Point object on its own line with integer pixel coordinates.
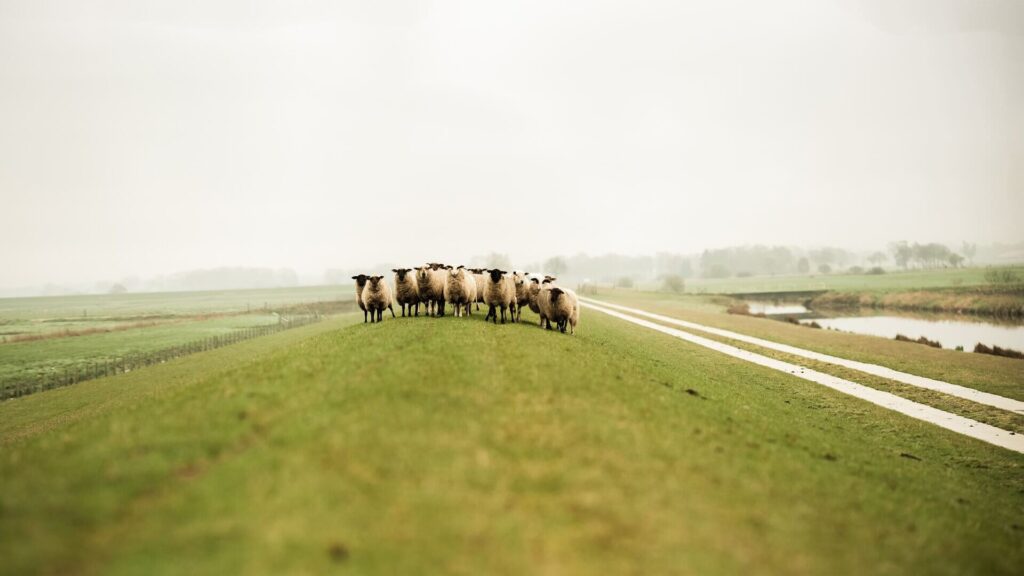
{"type": "Point", "coordinates": [997, 351]}
{"type": "Point", "coordinates": [429, 445]}
{"type": "Point", "coordinates": [920, 340]}
{"type": "Point", "coordinates": [1001, 301]}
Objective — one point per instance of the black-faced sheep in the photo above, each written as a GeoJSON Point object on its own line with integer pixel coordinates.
{"type": "Point", "coordinates": [564, 309]}
{"type": "Point", "coordinates": [407, 290]}
{"type": "Point", "coordinates": [499, 293]}
{"type": "Point", "coordinates": [360, 284]}
{"type": "Point", "coordinates": [377, 297]}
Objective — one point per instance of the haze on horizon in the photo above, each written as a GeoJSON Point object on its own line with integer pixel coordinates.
{"type": "Point", "coordinates": [144, 138]}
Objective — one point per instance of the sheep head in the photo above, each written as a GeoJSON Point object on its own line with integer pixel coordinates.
{"type": "Point", "coordinates": [401, 272]}
{"type": "Point", "coordinates": [496, 274]}
{"type": "Point", "coordinates": [360, 279]}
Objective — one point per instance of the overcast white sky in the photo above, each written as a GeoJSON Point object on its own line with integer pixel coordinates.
{"type": "Point", "coordinates": [143, 137]}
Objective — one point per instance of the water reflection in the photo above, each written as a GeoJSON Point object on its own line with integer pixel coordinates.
{"type": "Point", "coordinates": [951, 333]}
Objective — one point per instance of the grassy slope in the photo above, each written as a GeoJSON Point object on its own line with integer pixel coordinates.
{"type": "Point", "coordinates": [1003, 376]}
{"type": "Point", "coordinates": [443, 445]}
{"type": "Point", "coordinates": [912, 280]}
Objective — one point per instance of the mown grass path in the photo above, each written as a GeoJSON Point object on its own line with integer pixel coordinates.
{"type": "Point", "coordinates": [453, 446]}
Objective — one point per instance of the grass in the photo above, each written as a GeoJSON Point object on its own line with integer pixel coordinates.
{"type": "Point", "coordinates": [24, 361]}
{"type": "Point", "coordinates": [443, 445]}
{"type": "Point", "coordinates": [891, 281]}
{"type": "Point", "coordinates": [84, 308]}
{"type": "Point", "coordinates": [46, 336]}
{"type": "Point", "coordinates": [1002, 376]}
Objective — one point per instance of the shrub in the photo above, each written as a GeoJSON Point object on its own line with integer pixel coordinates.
{"type": "Point", "coordinates": [876, 270]}
{"type": "Point", "coordinates": [673, 283]}
{"type": "Point", "coordinates": [997, 351]}
{"type": "Point", "coordinates": [624, 282]}
{"type": "Point", "coordinates": [921, 340]}
{"type": "Point", "coordinates": [739, 308]}
{"type": "Point", "coordinates": [1001, 276]}
{"type": "Point", "coordinates": [824, 268]}
{"type": "Point", "coordinates": [855, 270]}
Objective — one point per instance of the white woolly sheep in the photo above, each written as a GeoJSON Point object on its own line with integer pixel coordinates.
{"type": "Point", "coordinates": [564, 309]}
{"type": "Point", "coordinates": [544, 301]}
{"type": "Point", "coordinates": [424, 282]}
{"type": "Point", "coordinates": [459, 290]}
{"type": "Point", "coordinates": [377, 297]}
{"type": "Point", "coordinates": [499, 292]}
{"type": "Point", "coordinates": [407, 290]}
{"type": "Point", "coordinates": [519, 280]}
{"type": "Point", "coordinates": [480, 279]}
{"type": "Point", "coordinates": [438, 277]}
{"type": "Point", "coordinates": [532, 293]}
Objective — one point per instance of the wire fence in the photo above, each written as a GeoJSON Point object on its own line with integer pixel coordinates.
{"type": "Point", "coordinates": [59, 377]}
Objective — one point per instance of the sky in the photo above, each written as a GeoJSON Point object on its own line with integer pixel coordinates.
{"type": "Point", "coordinates": [140, 137]}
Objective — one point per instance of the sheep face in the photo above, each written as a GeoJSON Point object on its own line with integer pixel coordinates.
{"type": "Point", "coordinates": [375, 281]}
{"type": "Point", "coordinates": [496, 274]}
{"type": "Point", "coordinates": [401, 272]}
{"type": "Point", "coordinates": [360, 280]}
{"type": "Point", "coordinates": [459, 272]}
{"type": "Point", "coordinates": [423, 275]}
{"type": "Point", "coordinates": [556, 293]}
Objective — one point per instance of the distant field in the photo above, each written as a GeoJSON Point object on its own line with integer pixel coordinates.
{"type": "Point", "coordinates": [914, 279]}
{"type": "Point", "coordinates": [46, 336]}
{"type": "Point", "coordinates": [81, 308]}
{"type": "Point", "coordinates": [451, 446]}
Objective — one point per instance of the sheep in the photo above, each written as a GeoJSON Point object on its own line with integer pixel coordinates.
{"type": "Point", "coordinates": [564, 309]}
{"type": "Point", "coordinates": [499, 292]}
{"type": "Point", "coordinates": [360, 284]}
{"type": "Point", "coordinates": [522, 293]}
{"type": "Point", "coordinates": [459, 290]}
{"type": "Point", "coordinates": [424, 283]}
{"type": "Point", "coordinates": [407, 290]}
{"type": "Point", "coordinates": [532, 293]}
{"type": "Point", "coordinates": [544, 301]}
{"type": "Point", "coordinates": [377, 297]}
{"type": "Point", "coordinates": [438, 274]}
{"type": "Point", "coordinates": [480, 279]}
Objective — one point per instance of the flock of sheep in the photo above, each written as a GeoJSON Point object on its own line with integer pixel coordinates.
{"type": "Point", "coordinates": [435, 285]}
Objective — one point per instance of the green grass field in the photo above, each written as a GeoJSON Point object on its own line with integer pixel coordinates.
{"type": "Point", "coordinates": [46, 336]}
{"type": "Point", "coordinates": [451, 446]}
{"type": "Point", "coordinates": [145, 304]}
{"type": "Point", "coordinates": [891, 281]}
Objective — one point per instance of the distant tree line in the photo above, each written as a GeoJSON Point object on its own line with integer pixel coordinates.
{"type": "Point", "coordinates": [932, 255]}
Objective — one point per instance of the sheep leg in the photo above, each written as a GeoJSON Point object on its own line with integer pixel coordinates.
{"type": "Point", "coordinates": [364, 315]}
{"type": "Point", "coordinates": [417, 309]}
{"type": "Point", "coordinates": [390, 307]}
{"type": "Point", "coordinates": [503, 313]}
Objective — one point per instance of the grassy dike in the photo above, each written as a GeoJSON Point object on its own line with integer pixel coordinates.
{"type": "Point", "coordinates": [451, 446]}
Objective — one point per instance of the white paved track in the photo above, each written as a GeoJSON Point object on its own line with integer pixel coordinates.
{"type": "Point", "coordinates": [947, 420]}
{"type": "Point", "coordinates": [971, 394]}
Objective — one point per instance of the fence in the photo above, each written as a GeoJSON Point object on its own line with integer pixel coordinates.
{"type": "Point", "coordinates": [57, 378]}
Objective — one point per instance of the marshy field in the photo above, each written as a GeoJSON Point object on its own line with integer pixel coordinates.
{"type": "Point", "coordinates": [454, 445]}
